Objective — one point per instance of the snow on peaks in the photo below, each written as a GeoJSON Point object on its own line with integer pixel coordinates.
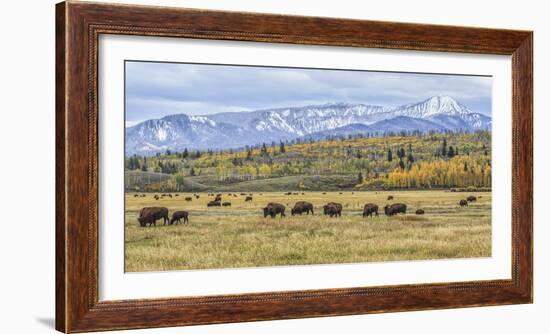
{"type": "Point", "coordinates": [203, 120]}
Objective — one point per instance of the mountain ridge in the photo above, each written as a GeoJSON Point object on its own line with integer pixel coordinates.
{"type": "Point", "coordinates": [234, 130]}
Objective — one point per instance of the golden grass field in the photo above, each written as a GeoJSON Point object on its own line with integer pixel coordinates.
{"type": "Point", "coordinates": [239, 236]}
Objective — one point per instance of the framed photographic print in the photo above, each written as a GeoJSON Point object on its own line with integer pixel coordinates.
{"type": "Point", "coordinates": [223, 166]}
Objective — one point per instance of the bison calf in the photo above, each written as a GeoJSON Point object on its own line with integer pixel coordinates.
{"type": "Point", "coordinates": [178, 215]}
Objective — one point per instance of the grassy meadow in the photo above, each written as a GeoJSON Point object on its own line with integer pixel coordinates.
{"type": "Point", "coordinates": [239, 235]}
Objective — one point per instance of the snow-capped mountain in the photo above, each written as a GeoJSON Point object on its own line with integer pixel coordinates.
{"type": "Point", "coordinates": [233, 130]}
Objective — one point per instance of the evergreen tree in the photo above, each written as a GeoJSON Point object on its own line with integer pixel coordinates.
{"type": "Point", "coordinates": [401, 153]}
{"type": "Point", "coordinates": [185, 153]}
{"type": "Point", "coordinates": [192, 172]}
{"type": "Point", "coordinates": [360, 178]}
{"type": "Point", "coordinates": [282, 147]}
{"type": "Point", "coordinates": [401, 164]}
{"type": "Point", "coordinates": [451, 152]}
{"type": "Point", "coordinates": [249, 155]}
{"type": "Point", "coordinates": [390, 158]}
{"type": "Point", "coordinates": [410, 158]}
{"type": "Point", "coordinates": [444, 147]}
{"type": "Point", "coordinates": [263, 150]}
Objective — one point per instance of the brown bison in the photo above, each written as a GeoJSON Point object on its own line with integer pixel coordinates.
{"type": "Point", "coordinates": [150, 215]}
{"type": "Point", "coordinates": [332, 209]}
{"type": "Point", "coordinates": [214, 203]}
{"type": "Point", "coordinates": [136, 195]}
{"type": "Point", "coordinates": [273, 209]}
{"type": "Point", "coordinates": [463, 202]}
{"type": "Point", "coordinates": [301, 207]}
{"type": "Point", "coordinates": [394, 209]}
{"type": "Point", "coordinates": [390, 198]}
{"type": "Point", "coordinates": [188, 199]}
{"type": "Point", "coordinates": [218, 197]}
{"type": "Point", "coordinates": [178, 215]}
{"type": "Point", "coordinates": [157, 197]}
{"type": "Point", "coordinates": [197, 196]}
{"type": "Point", "coordinates": [419, 212]}
{"type": "Point", "coordinates": [471, 198]}
{"type": "Point", "coordinates": [370, 209]}
{"type": "Point", "coordinates": [226, 203]}
{"type": "Point", "coordinates": [248, 199]}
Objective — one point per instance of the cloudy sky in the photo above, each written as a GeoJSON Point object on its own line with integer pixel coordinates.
{"type": "Point", "coordinates": [154, 90]}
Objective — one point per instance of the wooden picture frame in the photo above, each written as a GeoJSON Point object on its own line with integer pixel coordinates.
{"type": "Point", "coordinates": [78, 26]}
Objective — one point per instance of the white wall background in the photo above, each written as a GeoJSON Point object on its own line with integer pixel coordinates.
{"type": "Point", "coordinates": [27, 72]}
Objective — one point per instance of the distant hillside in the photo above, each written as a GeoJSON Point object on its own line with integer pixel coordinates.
{"type": "Point", "coordinates": [439, 160]}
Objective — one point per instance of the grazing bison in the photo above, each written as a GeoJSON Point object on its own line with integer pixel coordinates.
{"type": "Point", "coordinates": [463, 202]}
{"type": "Point", "coordinates": [136, 195]}
{"type": "Point", "coordinates": [226, 203]}
{"type": "Point", "coordinates": [176, 195]}
{"type": "Point", "coordinates": [150, 215]}
{"type": "Point", "coordinates": [288, 193]}
{"type": "Point", "coordinates": [419, 212]}
{"type": "Point", "coordinates": [218, 197]}
{"type": "Point", "coordinates": [157, 197]}
{"type": "Point", "coordinates": [273, 209]}
{"type": "Point", "coordinates": [213, 203]}
{"type": "Point", "coordinates": [188, 199]}
{"type": "Point", "coordinates": [332, 209]}
{"type": "Point", "coordinates": [197, 196]}
{"type": "Point", "coordinates": [390, 198]}
{"type": "Point", "coordinates": [178, 215]}
{"type": "Point", "coordinates": [301, 207]}
{"type": "Point", "coordinates": [394, 209]}
{"type": "Point", "coordinates": [370, 209]}
{"type": "Point", "coordinates": [471, 198]}
{"type": "Point", "coordinates": [248, 199]}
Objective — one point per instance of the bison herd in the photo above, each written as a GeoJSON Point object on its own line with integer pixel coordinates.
{"type": "Point", "coordinates": [464, 202]}
{"type": "Point", "coordinates": [148, 216]}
